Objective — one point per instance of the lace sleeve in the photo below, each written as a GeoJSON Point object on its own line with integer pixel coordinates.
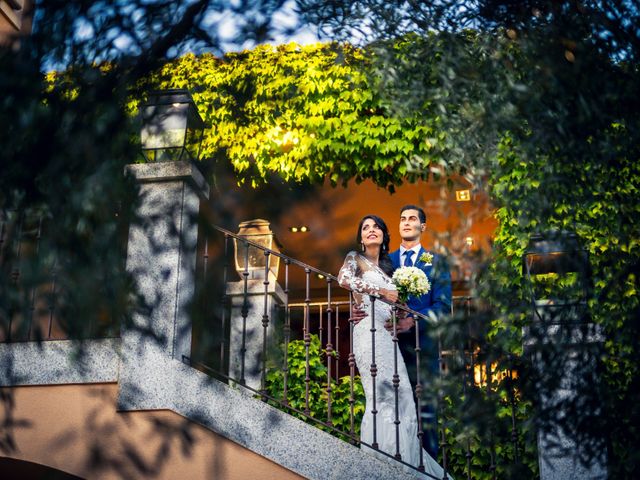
{"type": "Point", "coordinates": [348, 277]}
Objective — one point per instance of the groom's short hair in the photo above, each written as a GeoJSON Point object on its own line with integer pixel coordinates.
{"type": "Point", "coordinates": [421, 214]}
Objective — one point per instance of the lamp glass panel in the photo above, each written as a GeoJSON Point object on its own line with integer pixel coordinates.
{"type": "Point", "coordinates": [256, 257]}
{"type": "Point", "coordinates": [556, 280]}
{"type": "Point", "coordinates": [164, 126]}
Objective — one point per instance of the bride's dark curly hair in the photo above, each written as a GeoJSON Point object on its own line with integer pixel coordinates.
{"type": "Point", "coordinates": [384, 262]}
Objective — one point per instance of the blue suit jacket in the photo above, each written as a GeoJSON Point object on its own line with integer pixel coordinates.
{"type": "Point", "coordinates": [437, 300]}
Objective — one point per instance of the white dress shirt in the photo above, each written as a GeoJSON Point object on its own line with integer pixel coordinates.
{"type": "Point", "coordinates": [414, 257]}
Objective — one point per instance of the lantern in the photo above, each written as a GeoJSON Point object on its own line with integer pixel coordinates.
{"type": "Point", "coordinates": [557, 275]}
{"type": "Point", "coordinates": [251, 259]}
{"type": "Point", "coordinates": [172, 129]}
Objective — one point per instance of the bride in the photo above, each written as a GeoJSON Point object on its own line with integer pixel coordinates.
{"type": "Point", "coordinates": [369, 273]}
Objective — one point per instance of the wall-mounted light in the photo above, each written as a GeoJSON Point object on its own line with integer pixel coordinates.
{"type": "Point", "coordinates": [299, 229]}
{"type": "Point", "coordinates": [480, 376]}
{"type": "Point", "coordinates": [463, 195]}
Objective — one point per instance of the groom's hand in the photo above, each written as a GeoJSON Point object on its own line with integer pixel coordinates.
{"type": "Point", "coordinates": [405, 323]}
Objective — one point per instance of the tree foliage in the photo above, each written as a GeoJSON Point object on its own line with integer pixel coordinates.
{"type": "Point", "coordinates": [536, 101]}
{"type": "Point", "coordinates": [67, 138]}
{"type": "Point", "coordinates": [304, 112]}
{"type": "Point", "coordinates": [64, 200]}
{"type": "Point", "coordinates": [542, 112]}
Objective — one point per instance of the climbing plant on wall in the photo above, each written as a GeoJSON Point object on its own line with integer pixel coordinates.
{"type": "Point", "coordinates": [305, 112]}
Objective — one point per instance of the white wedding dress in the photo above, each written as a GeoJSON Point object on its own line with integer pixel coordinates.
{"type": "Point", "coordinates": [364, 278]}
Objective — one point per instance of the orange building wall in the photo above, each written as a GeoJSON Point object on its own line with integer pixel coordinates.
{"type": "Point", "coordinates": [76, 429]}
{"type": "Point", "coordinates": [332, 215]}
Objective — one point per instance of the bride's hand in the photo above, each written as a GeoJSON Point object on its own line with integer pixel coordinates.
{"type": "Point", "coordinates": [390, 295]}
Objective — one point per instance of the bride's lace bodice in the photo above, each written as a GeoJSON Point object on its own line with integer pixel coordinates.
{"type": "Point", "coordinates": [364, 279]}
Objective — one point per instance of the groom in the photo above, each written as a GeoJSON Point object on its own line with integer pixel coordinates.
{"type": "Point", "coordinates": [432, 304]}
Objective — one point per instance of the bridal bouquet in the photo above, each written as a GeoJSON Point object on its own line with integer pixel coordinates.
{"type": "Point", "coordinates": [410, 281]}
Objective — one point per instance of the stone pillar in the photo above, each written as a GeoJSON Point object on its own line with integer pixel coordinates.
{"type": "Point", "coordinates": [161, 256]}
{"type": "Point", "coordinates": [254, 302]}
{"type": "Point", "coordinates": [566, 343]}
{"type": "Point", "coordinates": [247, 330]}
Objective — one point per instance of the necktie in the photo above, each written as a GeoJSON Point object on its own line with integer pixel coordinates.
{"type": "Point", "coordinates": [407, 259]}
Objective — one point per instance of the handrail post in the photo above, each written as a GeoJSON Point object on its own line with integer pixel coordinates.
{"type": "Point", "coordinates": [374, 372]}
{"type": "Point", "coordinates": [329, 349]}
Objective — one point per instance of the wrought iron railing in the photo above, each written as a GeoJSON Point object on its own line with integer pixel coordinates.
{"type": "Point", "coordinates": [329, 319]}
{"type": "Point", "coordinates": [337, 338]}
{"type": "Point", "coordinates": [325, 316]}
{"type": "Point", "coordinates": [29, 309]}
{"type": "Point", "coordinates": [32, 285]}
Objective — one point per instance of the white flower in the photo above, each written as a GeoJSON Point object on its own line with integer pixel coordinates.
{"type": "Point", "coordinates": [410, 281]}
{"type": "Point", "coordinates": [426, 258]}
